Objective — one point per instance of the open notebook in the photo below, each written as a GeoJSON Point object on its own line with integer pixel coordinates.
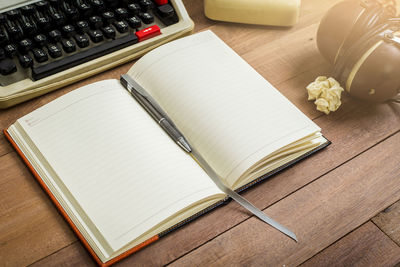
{"type": "Point", "coordinates": [119, 179]}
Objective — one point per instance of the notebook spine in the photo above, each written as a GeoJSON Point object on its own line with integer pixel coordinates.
{"type": "Point", "coordinates": [193, 217]}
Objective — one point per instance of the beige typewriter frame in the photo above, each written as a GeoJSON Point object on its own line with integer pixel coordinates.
{"type": "Point", "coordinates": [27, 89]}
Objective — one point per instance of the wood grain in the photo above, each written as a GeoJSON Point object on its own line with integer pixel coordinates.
{"type": "Point", "coordinates": [74, 255]}
{"type": "Point", "coordinates": [195, 11]}
{"type": "Point", "coordinates": [274, 190]}
{"type": "Point", "coordinates": [276, 66]}
{"type": "Point", "coordinates": [30, 227]}
{"type": "Point", "coordinates": [31, 231]}
{"type": "Point", "coordinates": [349, 139]}
{"type": "Point", "coordinates": [389, 221]}
{"type": "Point", "coordinates": [366, 246]}
{"type": "Point", "coordinates": [320, 213]}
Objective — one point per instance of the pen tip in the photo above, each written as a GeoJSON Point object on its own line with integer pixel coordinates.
{"type": "Point", "coordinates": [184, 144]}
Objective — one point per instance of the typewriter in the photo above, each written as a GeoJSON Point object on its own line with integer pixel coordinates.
{"type": "Point", "coordinates": [45, 45]}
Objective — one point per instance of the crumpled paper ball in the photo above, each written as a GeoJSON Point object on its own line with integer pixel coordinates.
{"type": "Point", "coordinates": [326, 92]}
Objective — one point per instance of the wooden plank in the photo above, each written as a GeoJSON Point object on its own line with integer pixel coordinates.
{"type": "Point", "coordinates": [5, 147]}
{"type": "Point", "coordinates": [295, 90]}
{"type": "Point", "coordinates": [366, 246]}
{"type": "Point", "coordinates": [320, 213]}
{"type": "Point", "coordinates": [285, 65]}
{"type": "Point", "coordinates": [389, 221]}
{"type": "Point", "coordinates": [349, 138]}
{"type": "Point", "coordinates": [196, 13]}
{"type": "Point", "coordinates": [30, 226]}
{"type": "Point", "coordinates": [348, 141]}
{"type": "Point", "coordinates": [74, 255]}
{"type": "Point", "coordinates": [346, 129]}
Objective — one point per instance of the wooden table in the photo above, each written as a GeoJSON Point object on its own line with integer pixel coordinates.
{"type": "Point", "coordinates": [335, 201]}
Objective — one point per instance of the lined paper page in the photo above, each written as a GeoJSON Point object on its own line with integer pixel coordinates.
{"type": "Point", "coordinates": [126, 173]}
{"type": "Point", "coordinates": [223, 106]}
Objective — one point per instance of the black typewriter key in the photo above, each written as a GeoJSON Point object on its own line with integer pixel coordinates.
{"type": "Point", "coordinates": [134, 22]}
{"type": "Point", "coordinates": [3, 37]}
{"type": "Point", "coordinates": [42, 21]}
{"type": "Point", "coordinates": [82, 26]}
{"type": "Point", "coordinates": [2, 18]}
{"type": "Point", "coordinates": [145, 5]}
{"type": "Point", "coordinates": [55, 35]}
{"type": "Point", "coordinates": [25, 61]}
{"type": "Point", "coordinates": [68, 30]}
{"type": "Point", "coordinates": [10, 50]}
{"type": "Point", "coordinates": [13, 30]}
{"type": "Point", "coordinates": [108, 32]}
{"type": "Point", "coordinates": [146, 17]}
{"type": "Point", "coordinates": [55, 2]}
{"type": "Point", "coordinates": [2, 54]}
{"type": "Point", "coordinates": [70, 11]}
{"type": "Point", "coordinates": [42, 5]}
{"type": "Point", "coordinates": [57, 17]}
{"type": "Point", "coordinates": [121, 13]}
{"type": "Point", "coordinates": [121, 26]}
{"type": "Point", "coordinates": [40, 40]}
{"type": "Point", "coordinates": [13, 14]}
{"type": "Point", "coordinates": [111, 3]}
{"type": "Point", "coordinates": [98, 5]}
{"type": "Point", "coordinates": [27, 25]}
{"type": "Point", "coordinates": [82, 40]}
{"type": "Point", "coordinates": [95, 22]}
{"type": "Point", "coordinates": [96, 36]}
{"type": "Point", "coordinates": [108, 17]}
{"type": "Point", "coordinates": [165, 11]}
{"type": "Point", "coordinates": [27, 10]}
{"type": "Point", "coordinates": [40, 55]}
{"type": "Point", "coordinates": [84, 8]}
{"type": "Point", "coordinates": [54, 50]}
{"type": "Point", "coordinates": [7, 66]}
{"type": "Point", "coordinates": [133, 9]}
{"type": "Point", "coordinates": [25, 45]}
{"type": "Point", "coordinates": [68, 45]}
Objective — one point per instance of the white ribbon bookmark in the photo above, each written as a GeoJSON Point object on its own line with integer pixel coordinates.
{"type": "Point", "coordinates": [238, 198]}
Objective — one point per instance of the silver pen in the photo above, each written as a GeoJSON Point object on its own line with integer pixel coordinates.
{"type": "Point", "coordinates": [155, 111]}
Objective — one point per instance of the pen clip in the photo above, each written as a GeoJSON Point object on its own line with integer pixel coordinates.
{"type": "Point", "coordinates": [139, 92]}
{"type": "Point", "coordinates": [131, 84]}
